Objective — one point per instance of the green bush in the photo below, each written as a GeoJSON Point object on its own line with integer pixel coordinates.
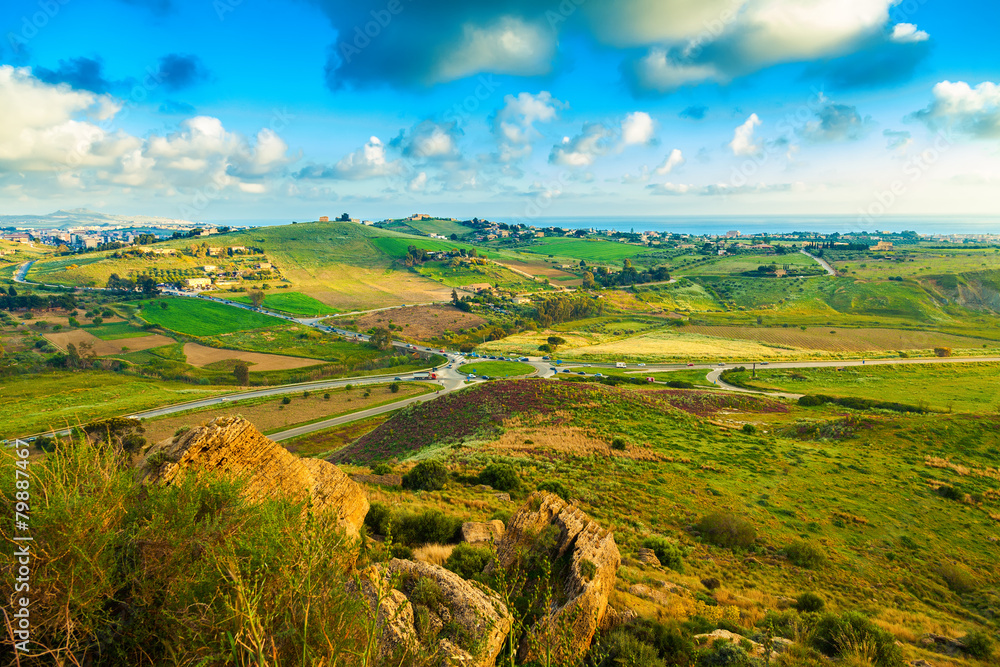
{"type": "Point", "coordinates": [956, 577]}
{"type": "Point", "coordinates": [809, 602]}
{"type": "Point", "coordinates": [669, 553]}
{"type": "Point", "coordinates": [978, 644]}
{"type": "Point", "coordinates": [501, 476]}
{"type": "Point", "coordinates": [726, 654]}
{"type": "Point", "coordinates": [618, 443]}
{"type": "Point", "coordinates": [749, 428]}
{"type": "Point", "coordinates": [949, 492]}
{"type": "Point", "coordinates": [412, 528]}
{"type": "Point", "coordinates": [810, 401]}
{"type": "Point", "coordinates": [805, 554]}
{"type": "Point", "coordinates": [381, 469]}
{"type": "Point", "coordinates": [286, 400]}
{"type": "Point", "coordinates": [555, 487]}
{"type": "Point", "coordinates": [627, 650]}
{"type": "Point", "coordinates": [838, 635]}
{"type": "Point", "coordinates": [426, 476]}
{"type": "Point", "coordinates": [727, 530]}
{"type": "Point", "coordinates": [426, 592]}
{"type": "Point", "coordinates": [468, 561]}
{"type": "Point", "coordinates": [587, 569]}
{"type": "Point", "coordinates": [394, 387]}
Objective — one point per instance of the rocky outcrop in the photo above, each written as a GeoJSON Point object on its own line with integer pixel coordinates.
{"type": "Point", "coordinates": [475, 532]}
{"type": "Point", "coordinates": [755, 649]}
{"type": "Point", "coordinates": [647, 557]}
{"type": "Point", "coordinates": [592, 564]}
{"type": "Point", "coordinates": [419, 600]}
{"type": "Point", "coordinates": [234, 447]}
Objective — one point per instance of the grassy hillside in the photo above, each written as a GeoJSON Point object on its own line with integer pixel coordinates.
{"type": "Point", "coordinates": [892, 516]}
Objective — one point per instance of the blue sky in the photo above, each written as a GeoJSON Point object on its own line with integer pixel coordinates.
{"type": "Point", "coordinates": [254, 109]}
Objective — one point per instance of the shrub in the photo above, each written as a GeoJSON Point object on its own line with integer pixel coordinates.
{"type": "Point", "coordinates": [429, 526]}
{"type": "Point", "coordinates": [711, 583]}
{"type": "Point", "coordinates": [727, 530]}
{"type": "Point", "coordinates": [381, 469]}
{"type": "Point", "coordinates": [326, 396]}
{"type": "Point", "coordinates": [949, 492]}
{"type": "Point", "coordinates": [854, 633]}
{"type": "Point", "coordinates": [957, 578]}
{"type": "Point", "coordinates": [942, 351]}
{"type": "Point", "coordinates": [394, 387]}
{"type": "Point", "coordinates": [587, 569]}
{"type": "Point", "coordinates": [978, 644]}
{"type": "Point", "coordinates": [625, 650]}
{"type": "Point", "coordinates": [809, 602]}
{"type": "Point", "coordinates": [286, 400]}
{"type": "Point", "coordinates": [468, 561]}
{"type": "Point", "coordinates": [749, 428]}
{"type": "Point", "coordinates": [426, 592]}
{"type": "Point", "coordinates": [669, 553]}
{"type": "Point", "coordinates": [618, 443]}
{"type": "Point", "coordinates": [426, 476]}
{"type": "Point", "coordinates": [552, 486]}
{"type": "Point", "coordinates": [805, 554]}
{"type": "Point", "coordinates": [810, 401]}
{"type": "Point", "coordinates": [501, 476]}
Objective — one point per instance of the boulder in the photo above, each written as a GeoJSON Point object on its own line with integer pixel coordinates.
{"type": "Point", "coordinates": [478, 611]}
{"type": "Point", "coordinates": [592, 559]}
{"type": "Point", "coordinates": [757, 650]}
{"type": "Point", "coordinates": [475, 532]}
{"type": "Point", "coordinates": [647, 557]}
{"type": "Point", "coordinates": [234, 447]}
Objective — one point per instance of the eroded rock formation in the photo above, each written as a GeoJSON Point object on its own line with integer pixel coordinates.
{"type": "Point", "coordinates": [233, 446]}
{"type": "Point", "coordinates": [593, 560]}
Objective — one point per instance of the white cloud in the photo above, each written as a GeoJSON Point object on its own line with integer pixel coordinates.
{"type": "Point", "coordinates": [584, 148]}
{"type": "Point", "coordinates": [743, 138]}
{"type": "Point", "coordinates": [418, 183]}
{"type": "Point", "coordinates": [366, 162]}
{"type": "Point", "coordinates": [508, 45]}
{"type": "Point", "coordinates": [429, 140]}
{"type": "Point", "coordinates": [673, 189]}
{"type": "Point", "coordinates": [638, 129]}
{"type": "Point", "coordinates": [972, 110]}
{"type": "Point", "coordinates": [514, 123]}
{"type": "Point", "coordinates": [674, 160]}
{"type": "Point", "coordinates": [907, 33]}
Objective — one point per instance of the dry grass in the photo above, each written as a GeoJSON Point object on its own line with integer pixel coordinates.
{"type": "Point", "coordinates": [104, 348]}
{"type": "Point", "coordinates": [422, 322]}
{"type": "Point", "coordinates": [200, 356]}
{"type": "Point", "coordinates": [519, 439]}
{"type": "Point", "coordinates": [844, 340]}
{"type": "Point", "coordinates": [435, 554]}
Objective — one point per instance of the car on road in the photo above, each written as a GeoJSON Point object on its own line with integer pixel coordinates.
{"type": "Point", "coordinates": [765, 363]}
{"type": "Point", "coordinates": [598, 375]}
{"type": "Point", "coordinates": [566, 370]}
{"type": "Point", "coordinates": [690, 364]}
{"type": "Point", "coordinates": [546, 358]}
{"type": "Point", "coordinates": [397, 379]}
{"type": "Point", "coordinates": [721, 363]}
{"type": "Point", "coordinates": [472, 377]}
{"type": "Point", "coordinates": [524, 359]}
{"type": "Point", "coordinates": [580, 373]}
{"type": "Point", "coordinates": [641, 365]}
{"type": "Point", "coordinates": [553, 369]}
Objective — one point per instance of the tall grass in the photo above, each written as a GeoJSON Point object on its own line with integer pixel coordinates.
{"type": "Point", "coordinates": [131, 574]}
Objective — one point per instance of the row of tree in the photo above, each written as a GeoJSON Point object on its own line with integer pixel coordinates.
{"type": "Point", "coordinates": [629, 275]}
{"type": "Point", "coordinates": [14, 301]}
{"type": "Point", "coordinates": [144, 284]}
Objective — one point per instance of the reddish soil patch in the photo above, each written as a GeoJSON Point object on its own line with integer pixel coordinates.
{"type": "Point", "coordinates": [103, 348]}
{"type": "Point", "coordinates": [422, 322]}
{"type": "Point", "coordinates": [200, 356]}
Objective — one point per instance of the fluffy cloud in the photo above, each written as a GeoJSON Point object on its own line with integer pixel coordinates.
{"type": "Point", "coordinates": [743, 138]}
{"type": "Point", "coordinates": [514, 124]}
{"type": "Point", "coordinates": [70, 133]}
{"type": "Point", "coordinates": [670, 189]}
{"type": "Point", "coordinates": [907, 33]}
{"type": "Point", "coordinates": [429, 140]}
{"type": "Point", "coordinates": [674, 160]}
{"type": "Point", "coordinates": [971, 110]}
{"type": "Point", "coordinates": [369, 161]}
{"type": "Point", "coordinates": [836, 122]}
{"type": "Point", "coordinates": [722, 189]}
{"type": "Point", "coordinates": [685, 42]}
{"type": "Point", "coordinates": [638, 129]}
{"type": "Point", "coordinates": [584, 148]}
{"type": "Point", "coordinates": [897, 140]}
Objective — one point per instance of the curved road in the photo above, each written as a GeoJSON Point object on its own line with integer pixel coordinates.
{"type": "Point", "coordinates": [822, 262]}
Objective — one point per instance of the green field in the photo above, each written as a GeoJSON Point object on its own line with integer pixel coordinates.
{"type": "Point", "coordinates": [477, 274]}
{"type": "Point", "coordinates": [433, 226]}
{"type": "Point", "coordinates": [200, 317]}
{"type": "Point", "coordinates": [293, 303]}
{"type": "Point", "coordinates": [497, 368]}
{"type": "Point", "coordinates": [729, 265]}
{"type": "Point", "coordinates": [959, 387]}
{"type": "Point", "coordinates": [589, 250]}
{"type": "Point", "coordinates": [397, 247]}
{"type": "Point", "coordinates": [57, 400]}
{"type": "Point", "coordinates": [115, 331]}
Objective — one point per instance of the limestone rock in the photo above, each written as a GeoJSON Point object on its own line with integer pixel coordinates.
{"type": "Point", "coordinates": [756, 650]}
{"type": "Point", "coordinates": [393, 616]}
{"type": "Point", "coordinates": [475, 532]}
{"type": "Point", "coordinates": [479, 611]}
{"type": "Point", "coordinates": [233, 446]}
{"type": "Point", "coordinates": [593, 565]}
{"type": "Point", "coordinates": [647, 557]}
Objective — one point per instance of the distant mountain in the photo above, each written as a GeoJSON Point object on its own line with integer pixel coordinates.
{"type": "Point", "coordinates": [80, 217]}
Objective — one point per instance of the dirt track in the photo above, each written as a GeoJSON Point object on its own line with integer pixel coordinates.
{"type": "Point", "coordinates": [199, 355]}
